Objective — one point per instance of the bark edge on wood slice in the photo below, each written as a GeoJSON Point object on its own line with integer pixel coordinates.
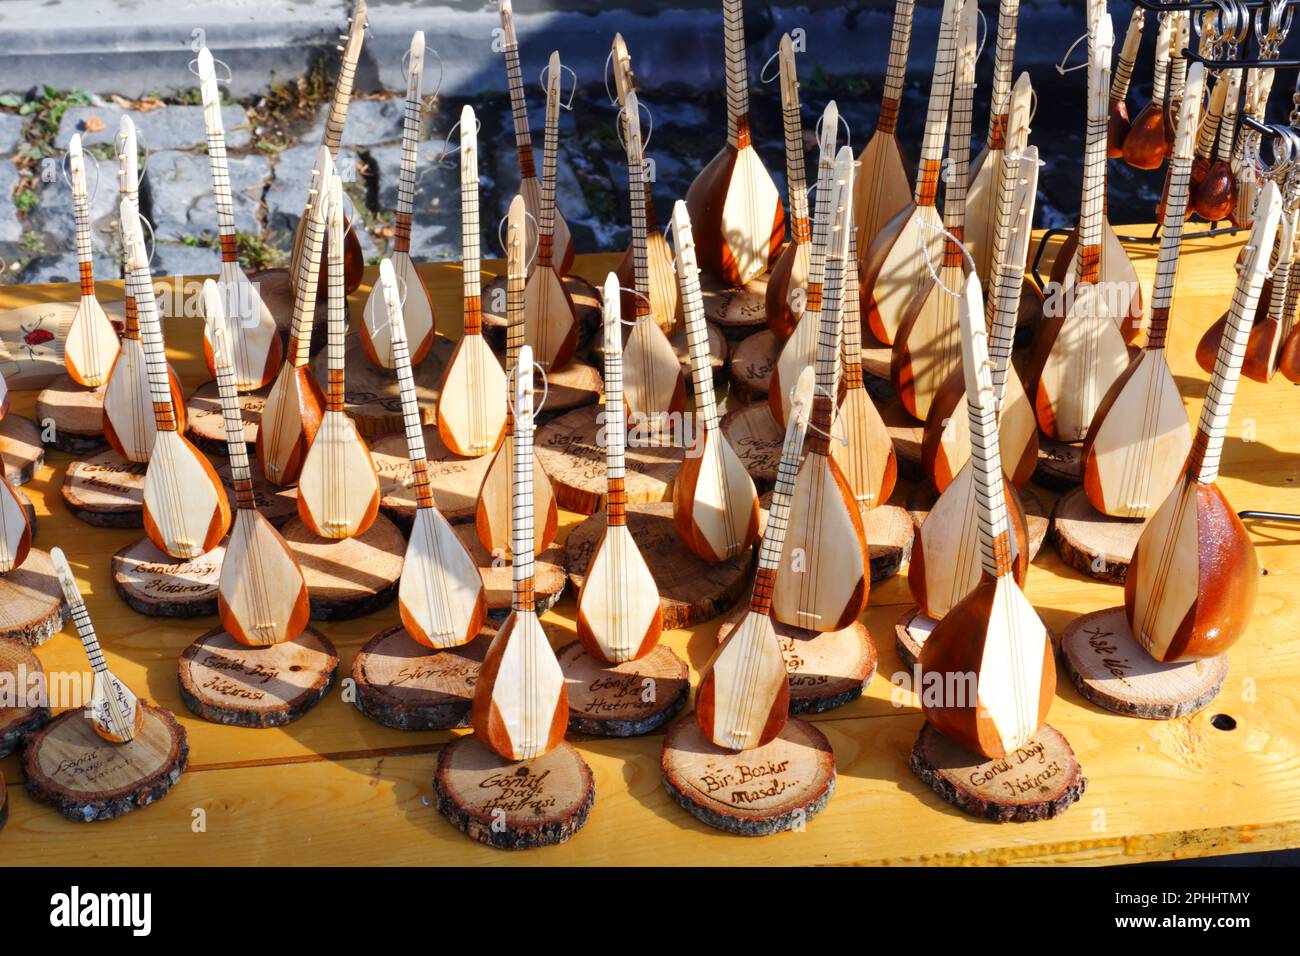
{"type": "Point", "coordinates": [721, 788]}
{"type": "Point", "coordinates": [1091, 542]}
{"type": "Point", "coordinates": [1060, 465]}
{"type": "Point", "coordinates": [76, 413]}
{"type": "Point", "coordinates": [889, 532]}
{"type": "Point", "coordinates": [1111, 669]}
{"type": "Point", "coordinates": [20, 448]}
{"type": "Point", "coordinates": [226, 682]}
{"type": "Point", "coordinates": [912, 628]}
{"type": "Point", "coordinates": [922, 498]}
{"type": "Point", "coordinates": [569, 451]}
{"type": "Point", "coordinates": [17, 722]}
{"type": "Point", "coordinates": [549, 579]}
{"type": "Point", "coordinates": [371, 395]}
{"type": "Point", "coordinates": [827, 669]}
{"type": "Point", "coordinates": [454, 481]}
{"type": "Point", "coordinates": [1045, 771]}
{"type": "Point", "coordinates": [407, 686]}
{"type": "Point", "coordinates": [31, 601]}
{"type": "Point", "coordinates": [141, 771]}
{"type": "Point", "coordinates": [206, 425]}
{"type": "Point", "coordinates": [609, 700]}
{"type": "Point", "coordinates": [690, 590]}
{"type": "Point", "coordinates": [546, 799]}
{"type": "Point", "coordinates": [348, 577]}
{"type": "Point", "coordinates": [157, 585]}
{"type": "Point", "coordinates": [105, 490]}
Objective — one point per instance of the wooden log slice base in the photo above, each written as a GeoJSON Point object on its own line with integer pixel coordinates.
{"type": "Point", "coordinates": [21, 670]}
{"type": "Point", "coordinates": [549, 579]}
{"type": "Point", "coordinates": [277, 505]}
{"type": "Point", "coordinates": [913, 628]}
{"type": "Point", "coordinates": [827, 670]}
{"type": "Point", "coordinates": [69, 767]}
{"type": "Point", "coordinates": [455, 481]}
{"type": "Point", "coordinates": [20, 448]}
{"type": "Point", "coordinates": [923, 496]}
{"type": "Point", "coordinates": [752, 361]}
{"type": "Point", "coordinates": [1091, 542]}
{"type": "Point", "coordinates": [406, 686]}
{"type": "Point", "coordinates": [906, 433]}
{"type": "Point", "coordinates": [779, 786]}
{"type": "Point", "coordinates": [1040, 780]}
{"type": "Point", "coordinates": [739, 313]}
{"type": "Point", "coordinates": [371, 395]}
{"type": "Point", "coordinates": [348, 577]}
{"type": "Point", "coordinates": [756, 439]}
{"type": "Point", "coordinates": [1112, 670]}
{"type": "Point", "coordinates": [690, 590]}
{"type": "Point", "coordinates": [513, 805]}
{"type": "Point", "coordinates": [155, 584]}
{"type": "Point", "coordinates": [574, 386]}
{"type": "Point", "coordinates": [586, 303]}
{"type": "Point", "coordinates": [106, 490]}
{"type": "Point", "coordinates": [889, 531]}
{"type": "Point", "coordinates": [226, 682]}
{"type": "Point", "coordinates": [206, 425]}
{"type": "Point", "coordinates": [31, 601]}
{"type": "Point", "coordinates": [623, 700]}
{"type": "Point", "coordinates": [72, 416]}
{"type": "Point", "coordinates": [276, 290]}
{"type": "Point", "coordinates": [1060, 466]}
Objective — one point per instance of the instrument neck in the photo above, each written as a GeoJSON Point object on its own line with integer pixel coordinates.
{"type": "Point", "coordinates": [241, 474]}
{"type": "Point", "coordinates": [828, 356]}
{"type": "Point", "coordinates": [615, 429]}
{"type": "Point", "coordinates": [89, 640]}
{"type": "Point", "coordinates": [522, 504]}
{"type": "Point", "coordinates": [304, 303]}
{"type": "Point", "coordinates": [546, 205]}
{"type": "Point", "coordinates": [470, 237]}
{"type": "Point", "coordinates": [733, 28]}
{"type": "Point", "coordinates": [1228, 124]}
{"type": "Point", "coordinates": [778, 517]}
{"type": "Point", "coordinates": [1162, 294]}
{"type": "Point", "coordinates": [954, 194]}
{"type": "Point", "coordinates": [411, 422]}
{"type": "Point", "coordinates": [406, 175]}
{"type": "Point", "coordinates": [900, 40]}
{"type": "Point", "coordinates": [1092, 208]}
{"type": "Point", "coordinates": [990, 494]}
{"type": "Point", "coordinates": [518, 105]}
{"type": "Point", "coordinates": [155, 353]}
{"type": "Point", "coordinates": [1002, 306]}
{"type": "Point", "coordinates": [1003, 64]}
{"type": "Point", "coordinates": [936, 116]}
{"type": "Point", "coordinates": [1127, 57]}
{"type": "Point", "coordinates": [221, 193]}
{"type": "Point", "coordinates": [821, 231]}
{"type": "Point", "coordinates": [796, 177]}
{"type": "Point", "coordinates": [638, 192]}
{"type": "Point", "coordinates": [1159, 81]}
{"type": "Point", "coordinates": [342, 94]}
{"type": "Point", "coordinates": [697, 342]}
{"type": "Point", "coordinates": [851, 319]}
{"type": "Point", "coordinates": [337, 316]}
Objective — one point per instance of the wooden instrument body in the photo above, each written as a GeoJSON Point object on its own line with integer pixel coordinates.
{"type": "Point", "coordinates": [866, 459]}
{"type": "Point", "coordinates": [186, 511]}
{"type": "Point", "coordinates": [290, 418]}
{"type": "Point", "coordinates": [115, 713]}
{"type": "Point", "coordinates": [531, 189]}
{"type": "Point", "coordinates": [736, 215]}
{"type": "Point", "coordinates": [927, 346]}
{"type": "Point", "coordinates": [338, 488]}
{"type": "Point", "coordinates": [894, 273]}
{"type": "Point", "coordinates": [526, 710]}
{"type": "Point", "coordinates": [665, 298]}
{"type": "Point", "coordinates": [653, 382]}
{"type": "Point", "coordinates": [798, 352]}
{"type": "Point", "coordinates": [945, 447]}
{"type": "Point", "coordinates": [354, 261]}
{"type": "Point", "coordinates": [258, 349]}
{"type": "Point", "coordinates": [1118, 123]}
{"type": "Point", "coordinates": [492, 513]}
{"type": "Point", "coordinates": [1116, 272]}
{"type": "Point", "coordinates": [1288, 362]}
{"type": "Point", "coordinates": [715, 504]}
{"type": "Point", "coordinates": [981, 208]}
{"type": "Point", "coordinates": [550, 322]}
{"type": "Point", "coordinates": [725, 702]}
{"type": "Point", "coordinates": [417, 310]}
{"type": "Point", "coordinates": [789, 277]}
{"type": "Point", "coordinates": [472, 401]}
{"type": "Point", "coordinates": [440, 596]}
{"type": "Point", "coordinates": [1149, 139]}
{"type": "Point", "coordinates": [92, 345]}
{"type": "Point", "coordinates": [15, 531]}
{"type": "Point", "coordinates": [995, 634]}
{"type": "Point", "coordinates": [619, 617]}
{"type": "Point", "coordinates": [261, 596]}
{"type": "Point", "coordinates": [129, 425]}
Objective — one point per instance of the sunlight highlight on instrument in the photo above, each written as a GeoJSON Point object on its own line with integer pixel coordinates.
{"type": "Point", "coordinates": [788, 284]}
{"type": "Point", "coordinates": [114, 711]}
{"type": "Point", "coordinates": [338, 489]}
{"type": "Point", "coordinates": [91, 346]}
{"type": "Point", "coordinates": [15, 530]}
{"type": "Point", "coordinates": [1118, 123]}
{"type": "Point", "coordinates": [472, 400]}
{"type": "Point", "coordinates": [521, 706]}
{"type": "Point", "coordinates": [715, 506]}
{"type": "Point", "coordinates": [1146, 146]}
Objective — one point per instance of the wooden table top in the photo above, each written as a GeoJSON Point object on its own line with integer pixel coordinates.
{"type": "Point", "coordinates": [338, 788]}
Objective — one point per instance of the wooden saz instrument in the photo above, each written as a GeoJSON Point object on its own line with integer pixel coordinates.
{"type": "Point", "coordinates": [927, 345]}
{"type": "Point", "coordinates": [1288, 360]}
{"type": "Point", "coordinates": [800, 349]}
{"type": "Point", "coordinates": [1147, 145]}
{"type": "Point", "coordinates": [894, 269]}
{"type": "Point", "coordinates": [1080, 350]}
{"type": "Point", "coordinates": [338, 489]}
{"type": "Point", "coordinates": [550, 320]}
{"type": "Point", "coordinates": [986, 171]}
{"type": "Point", "coordinates": [661, 288]}
{"type": "Point", "coordinates": [441, 597]}
{"type": "Point", "coordinates": [1259, 84]}
{"type": "Point", "coordinates": [619, 616]}
{"type": "Point", "coordinates": [529, 187]}
{"type": "Point", "coordinates": [115, 712]}
{"type": "Point", "coordinates": [261, 595]}
{"type": "Point", "coordinates": [1118, 123]}
{"type": "Point", "coordinates": [945, 446]}
{"type": "Point", "coordinates": [1206, 138]}
{"type": "Point", "coordinates": [492, 512]}
{"type": "Point", "coordinates": [734, 205]}
{"type": "Point", "coordinates": [418, 306]}
{"type": "Point", "coordinates": [472, 400]}
{"type": "Point", "coordinates": [256, 350]}
{"type": "Point", "coordinates": [293, 407]}
{"type": "Point", "coordinates": [1139, 437]}
{"type": "Point", "coordinates": [521, 706]}
{"type": "Point", "coordinates": [186, 512]}
{"type": "Point", "coordinates": [993, 633]}
{"type": "Point", "coordinates": [91, 345]}
{"type": "Point", "coordinates": [15, 531]}
{"type": "Point", "coordinates": [654, 383]}
{"type": "Point", "coordinates": [1265, 349]}
{"type": "Point", "coordinates": [744, 696]}
{"type": "Point", "coordinates": [822, 585]}
{"type": "Point", "coordinates": [1216, 193]}
{"type": "Point", "coordinates": [788, 285]}
{"type": "Point", "coordinates": [353, 260]}
{"type": "Point", "coordinates": [1190, 590]}
{"type": "Point", "coordinates": [715, 505]}
{"type": "Point", "coordinates": [883, 187]}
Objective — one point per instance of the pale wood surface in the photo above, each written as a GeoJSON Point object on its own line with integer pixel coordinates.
{"type": "Point", "coordinates": [1168, 789]}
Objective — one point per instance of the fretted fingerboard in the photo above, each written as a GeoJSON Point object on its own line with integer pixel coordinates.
{"type": "Point", "coordinates": [828, 354]}
{"type": "Point", "coordinates": [343, 90]}
{"type": "Point", "coordinates": [221, 194]}
{"type": "Point", "coordinates": [1164, 36]}
{"type": "Point", "coordinates": [155, 353]}
{"type": "Point", "coordinates": [337, 315]}
{"type": "Point", "coordinates": [304, 303]}
{"type": "Point", "coordinates": [406, 174]}
{"type": "Point", "coordinates": [1003, 65]}
{"type": "Point", "coordinates": [411, 423]}
{"type": "Point", "coordinates": [236, 448]}
{"type": "Point", "coordinates": [1292, 301]}
{"type": "Point", "coordinates": [1003, 304]}
{"type": "Point", "coordinates": [81, 223]}
{"type": "Point", "coordinates": [778, 517]}
{"type": "Point", "coordinates": [796, 178]}
{"type": "Point", "coordinates": [518, 105]}
{"type": "Point", "coordinates": [1093, 204]}
{"type": "Point", "coordinates": [1162, 293]}
{"type": "Point", "coordinates": [697, 341]}
{"type": "Point", "coordinates": [521, 509]}
{"type": "Point", "coordinates": [851, 324]}
{"type": "Point", "coordinates": [1178, 63]}
{"type": "Point", "coordinates": [986, 462]}
{"type": "Point", "coordinates": [936, 115]}
{"type": "Point", "coordinates": [1127, 56]}
{"type": "Point", "coordinates": [637, 188]}
{"type": "Point", "coordinates": [615, 428]}
{"type": "Point", "coordinates": [550, 150]}
{"type": "Point", "coordinates": [821, 224]}
{"type": "Point", "coordinates": [733, 29]}
{"type": "Point", "coordinates": [1228, 124]}
{"type": "Point", "coordinates": [469, 230]}
{"type": "Point", "coordinates": [900, 40]}
{"type": "Point", "coordinates": [954, 195]}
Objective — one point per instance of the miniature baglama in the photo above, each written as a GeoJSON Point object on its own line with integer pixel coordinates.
{"type": "Point", "coordinates": [440, 597]}
{"type": "Point", "coordinates": [1146, 145]}
{"type": "Point", "coordinates": [1191, 586]}
{"type": "Point", "coordinates": [255, 346]}
{"type": "Point", "coordinates": [1271, 328]}
{"type": "Point", "coordinates": [735, 208]}
{"type": "Point", "coordinates": [618, 615]}
{"type": "Point", "coordinates": [91, 344]}
{"type": "Point", "coordinates": [15, 529]}
{"type": "Point", "coordinates": [1118, 123]}
{"type": "Point", "coordinates": [788, 284]}
{"type": "Point", "coordinates": [417, 306]}
{"type": "Point", "coordinates": [715, 505]}
{"type": "Point", "coordinates": [472, 400]}
{"type": "Point", "coordinates": [1216, 193]}
{"type": "Point", "coordinates": [822, 585]}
